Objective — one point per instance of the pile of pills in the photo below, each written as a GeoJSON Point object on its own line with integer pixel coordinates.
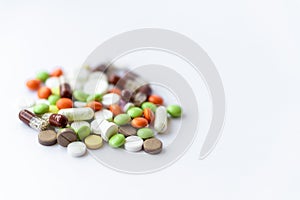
{"type": "Point", "coordinates": [103, 105]}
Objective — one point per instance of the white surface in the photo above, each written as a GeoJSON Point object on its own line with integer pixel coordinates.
{"type": "Point", "coordinates": [255, 45]}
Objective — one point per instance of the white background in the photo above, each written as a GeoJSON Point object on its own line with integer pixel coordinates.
{"type": "Point", "coordinates": [255, 45]}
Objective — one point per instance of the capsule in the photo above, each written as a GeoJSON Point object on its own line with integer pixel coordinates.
{"type": "Point", "coordinates": [57, 120]}
{"type": "Point", "coordinates": [33, 121]}
{"type": "Point", "coordinates": [65, 90]}
{"type": "Point", "coordinates": [77, 114]}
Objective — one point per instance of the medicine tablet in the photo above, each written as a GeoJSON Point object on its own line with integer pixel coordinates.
{"type": "Point", "coordinates": [95, 126]}
{"type": "Point", "coordinates": [66, 136]}
{"type": "Point", "coordinates": [52, 82]}
{"type": "Point", "coordinates": [152, 146]}
{"type": "Point", "coordinates": [104, 114]}
{"type": "Point", "coordinates": [76, 149]}
{"type": "Point", "coordinates": [93, 141]}
{"type": "Point", "coordinates": [107, 129]}
{"type": "Point", "coordinates": [133, 143]}
{"type": "Point", "coordinates": [95, 86]}
{"type": "Point", "coordinates": [127, 130]}
{"type": "Point", "coordinates": [47, 137]}
{"type": "Point", "coordinates": [110, 99]}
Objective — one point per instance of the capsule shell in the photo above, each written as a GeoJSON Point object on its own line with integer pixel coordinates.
{"type": "Point", "coordinates": [77, 114]}
{"type": "Point", "coordinates": [58, 120]}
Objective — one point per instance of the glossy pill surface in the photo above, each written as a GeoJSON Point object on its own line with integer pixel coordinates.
{"type": "Point", "coordinates": [135, 112]}
{"type": "Point", "coordinates": [117, 140]}
{"type": "Point", "coordinates": [145, 133]}
{"type": "Point", "coordinates": [57, 120]}
{"type": "Point", "coordinates": [139, 122]}
{"type": "Point", "coordinates": [95, 105]}
{"type": "Point", "coordinates": [150, 105]}
{"type": "Point", "coordinates": [122, 119]}
{"type": "Point", "coordinates": [42, 76]}
{"type": "Point", "coordinates": [174, 110]}
{"type": "Point", "coordinates": [115, 109]}
{"type": "Point", "coordinates": [64, 103]}
{"type": "Point", "coordinates": [57, 72]}
{"type": "Point", "coordinates": [80, 96]}
{"type": "Point", "coordinates": [94, 97]}
{"type": "Point", "coordinates": [156, 99]}
{"type": "Point", "coordinates": [149, 115]}
{"type": "Point", "coordinates": [41, 108]}
{"type": "Point", "coordinates": [44, 92]}
{"type": "Point", "coordinates": [53, 99]}
{"type": "Point", "coordinates": [33, 84]}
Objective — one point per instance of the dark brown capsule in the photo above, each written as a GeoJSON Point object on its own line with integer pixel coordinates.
{"type": "Point", "coordinates": [146, 89]}
{"type": "Point", "coordinates": [100, 68]}
{"type": "Point", "coordinates": [113, 78]}
{"type": "Point", "coordinates": [58, 120]}
{"type": "Point", "coordinates": [126, 95]}
{"type": "Point", "coordinates": [65, 90]}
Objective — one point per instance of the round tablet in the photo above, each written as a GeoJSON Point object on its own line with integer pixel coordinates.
{"type": "Point", "coordinates": [47, 137]}
{"type": "Point", "coordinates": [93, 141]}
{"type": "Point", "coordinates": [133, 143]}
{"type": "Point", "coordinates": [66, 136]}
{"type": "Point", "coordinates": [152, 146]}
{"type": "Point", "coordinates": [76, 149]}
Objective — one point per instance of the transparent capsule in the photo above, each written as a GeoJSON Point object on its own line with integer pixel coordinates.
{"type": "Point", "coordinates": [77, 114]}
{"type": "Point", "coordinates": [33, 121]}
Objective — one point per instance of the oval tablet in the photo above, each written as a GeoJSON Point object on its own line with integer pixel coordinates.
{"type": "Point", "coordinates": [76, 149]}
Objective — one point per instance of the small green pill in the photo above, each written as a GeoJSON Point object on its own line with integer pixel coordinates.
{"type": "Point", "coordinates": [55, 91]}
{"type": "Point", "coordinates": [122, 119]}
{"type": "Point", "coordinates": [94, 97]}
{"type": "Point", "coordinates": [53, 98]}
{"type": "Point", "coordinates": [135, 112]}
{"type": "Point", "coordinates": [150, 105]}
{"type": "Point", "coordinates": [80, 96]}
{"type": "Point", "coordinates": [117, 140]}
{"type": "Point", "coordinates": [83, 132]}
{"type": "Point", "coordinates": [53, 109]}
{"type": "Point", "coordinates": [42, 76]}
{"type": "Point", "coordinates": [145, 133]}
{"type": "Point", "coordinates": [174, 110]}
{"type": "Point", "coordinates": [41, 108]}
